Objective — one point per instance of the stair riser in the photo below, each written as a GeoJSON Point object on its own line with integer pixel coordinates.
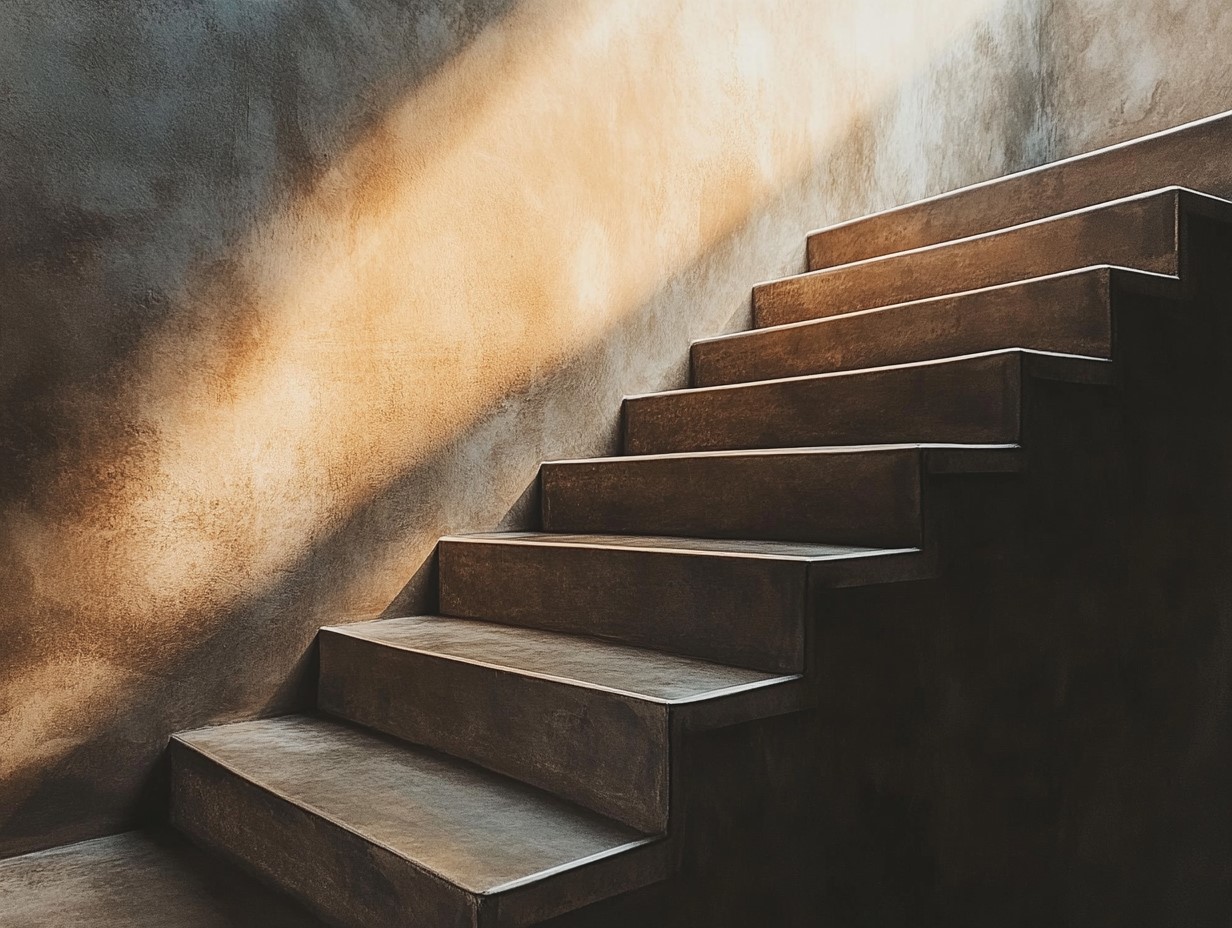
{"type": "Point", "coordinates": [1139, 234]}
{"type": "Point", "coordinates": [1190, 156]}
{"type": "Point", "coordinates": [1070, 314]}
{"type": "Point", "coordinates": [977, 401]}
{"type": "Point", "coordinates": [604, 750]}
{"type": "Point", "coordinates": [868, 498]}
{"type": "Point", "coordinates": [334, 872]}
{"type": "Point", "coordinates": [744, 611]}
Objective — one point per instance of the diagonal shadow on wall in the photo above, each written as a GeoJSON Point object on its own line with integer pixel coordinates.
{"type": "Point", "coordinates": [110, 676]}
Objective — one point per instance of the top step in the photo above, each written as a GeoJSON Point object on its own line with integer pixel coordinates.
{"type": "Point", "coordinates": [1193, 155]}
{"type": "Point", "coordinates": [1146, 233]}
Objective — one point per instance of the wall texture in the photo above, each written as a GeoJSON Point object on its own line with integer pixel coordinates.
{"type": "Point", "coordinates": [1116, 71]}
{"type": "Point", "coordinates": [287, 290]}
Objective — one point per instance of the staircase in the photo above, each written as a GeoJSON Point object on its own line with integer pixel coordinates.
{"type": "Point", "coordinates": [946, 375]}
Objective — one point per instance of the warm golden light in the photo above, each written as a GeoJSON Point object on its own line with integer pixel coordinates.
{"type": "Point", "coordinates": [540, 228]}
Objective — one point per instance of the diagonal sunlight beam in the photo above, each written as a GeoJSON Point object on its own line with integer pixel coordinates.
{"type": "Point", "coordinates": [521, 207]}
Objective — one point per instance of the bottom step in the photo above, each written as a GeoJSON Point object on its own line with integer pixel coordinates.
{"type": "Point", "coordinates": [141, 879]}
{"type": "Point", "coordinates": [374, 832]}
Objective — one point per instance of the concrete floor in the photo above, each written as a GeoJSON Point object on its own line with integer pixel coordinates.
{"type": "Point", "coordinates": [137, 880]}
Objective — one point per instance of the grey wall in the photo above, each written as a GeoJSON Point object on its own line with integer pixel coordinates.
{"type": "Point", "coordinates": [288, 290]}
{"type": "Point", "coordinates": [1117, 71]}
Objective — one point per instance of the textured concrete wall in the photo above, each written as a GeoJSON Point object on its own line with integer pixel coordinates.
{"type": "Point", "coordinates": [291, 289]}
{"type": "Point", "coordinates": [288, 290]}
{"type": "Point", "coordinates": [1117, 71]}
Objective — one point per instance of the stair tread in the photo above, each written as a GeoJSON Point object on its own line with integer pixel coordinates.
{"type": "Point", "coordinates": [1189, 155]}
{"type": "Point", "coordinates": [1143, 232]}
{"type": "Point", "coordinates": [481, 831]}
{"type": "Point", "coordinates": [839, 376]}
{"type": "Point", "coordinates": [1069, 312]}
{"type": "Point", "coordinates": [974, 398]}
{"type": "Point", "coordinates": [776, 550]}
{"type": "Point", "coordinates": [887, 311]}
{"type": "Point", "coordinates": [576, 659]}
{"type": "Point", "coordinates": [138, 879]}
{"type": "Point", "coordinates": [1165, 191]}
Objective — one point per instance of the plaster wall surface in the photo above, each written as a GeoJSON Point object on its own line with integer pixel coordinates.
{"type": "Point", "coordinates": [289, 290]}
{"type": "Point", "coordinates": [1117, 71]}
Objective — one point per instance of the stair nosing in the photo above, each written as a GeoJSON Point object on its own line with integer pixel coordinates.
{"type": "Point", "coordinates": [315, 810]}
{"type": "Point", "coordinates": [542, 875]}
{"type": "Point", "coordinates": [572, 681]}
{"type": "Point", "coordinates": [544, 540]}
{"type": "Point", "coordinates": [1175, 190]}
{"type": "Point", "coordinates": [1172, 189]}
{"type": "Point", "coordinates": [789, 452]}
{"type": "Point", "coordinates": [1108, 269]}
{"type": "Point", "coordinates": [932, 362]}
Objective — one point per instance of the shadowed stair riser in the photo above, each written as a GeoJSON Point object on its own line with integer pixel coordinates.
{"type": "Point", "coordinates": [334, 871]}
{"type": "Point", "coordinates": [744, 611]}
{"type": "Point", "coordinates": [586, 719]}
{"type": "Point", "coordinates": [973, 400]}
{"type": "Point", "coordinates": [747, 610]}
{"type": "Point", "coordinates": [870, 498]}
{"type": "Point", "coordinates": [371, 833]}
{"type": "Point", "coordinates": [1143, 233]}
{"type": "Point", "coordinates": [1067, 314]}
{"type": "Point", "coordinates": [605, 750]}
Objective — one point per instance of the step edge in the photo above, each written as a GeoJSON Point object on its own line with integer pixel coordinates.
{"type": "Point", "coordinates": [1071, 368]}
{"type": "Point", "coordinates": [732, 690]}
{"type": "Point", "coordinates": [544, 540]}
{"type": "Point", "coordinates": [955, 359]}
{"type": "Point", "coordinates": [573, 865]}
{"type": "Point", "coordinates": [887, 447]}
{"type": "Point", "coordinates": [1091, 270]}
{"type": "Point", "coordinates": [1174, 191]}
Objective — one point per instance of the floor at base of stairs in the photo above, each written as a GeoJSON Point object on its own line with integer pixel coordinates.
{"type": "Point", "coordinates": [146, 879]}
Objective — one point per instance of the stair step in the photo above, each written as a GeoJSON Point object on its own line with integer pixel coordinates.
{"type": "Point", "coordinates": [587, 719]}
{"type": "Point", "coordinates": [370, 832]}
{"type": "Point", "coordinates": [742, 603]}
{"type": "Point", "coordinates": [868, 496]}
{"type": "Point", "coordinates": [977, 399]}
{"type": "Point", "coordinates": [1193, 155]}
{"type": "Point", "coordinates": [1067, 313]}
{"type": "Point", "coordinates": [138, 879]}
{"type": "Point", "coordinates": [1141, 233]}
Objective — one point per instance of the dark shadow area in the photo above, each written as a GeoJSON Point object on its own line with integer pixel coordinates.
{"type": "Point", "coordinates": [140, 143]}
{"type": "Point", "coordinates": [1041, 736]}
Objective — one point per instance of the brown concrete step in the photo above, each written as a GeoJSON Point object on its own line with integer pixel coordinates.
{"type": "Point", "coordinates": [1193, 155]}
{"type": "Point", "coordinates": [140, 879]}
{"type": "Point", "coordinates": [867, 496]}
{"type": "Point", "coordinates": [977, 399]}
{"type": "Point", "coordinates": [583, 718]}
{"type": "Point", "coordinates": [371, 833]}
{"type": "Point", "coordinates": [1068, 313]}
{"type": "Point", "coordinates": [743, 603]}
{"type": "Point", "coordinates": [1140, 233]}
